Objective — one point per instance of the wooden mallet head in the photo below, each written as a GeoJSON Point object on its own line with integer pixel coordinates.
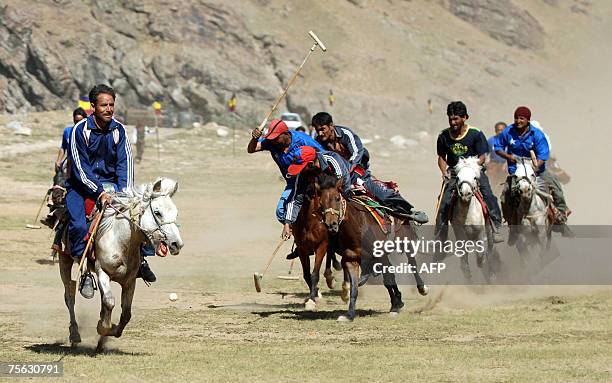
{"type": "Point", "coordinates": [317, 41]}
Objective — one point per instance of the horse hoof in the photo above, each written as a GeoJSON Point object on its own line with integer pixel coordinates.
{"type": "Point", "coordinates": [329, 279]}
{"type": "Point", "coordinates": [423, 290]}
{"type": "Point", "coordinates": [393, 313]}
{"type": "Point", "coordinates": [310, 305]}
{"type": "Point", "coordinates": [343, 319]}
{"type": "Point", "coordinates": [319, 295]}
{"type": "Point", "coordinates": [75, 339]}
{"type": "Point", "coordinates": [331, 283]}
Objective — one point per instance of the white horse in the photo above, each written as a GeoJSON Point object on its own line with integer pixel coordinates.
{"type": "Point", "coordinates": [469, 221]}
{"type": "Point", "coordinates": [137, 216]}
{"type": "Point", "coordinates": [530, 219]}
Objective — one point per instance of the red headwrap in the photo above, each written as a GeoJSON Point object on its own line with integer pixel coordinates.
{"type": "Point", "coordinates": [522, 111]}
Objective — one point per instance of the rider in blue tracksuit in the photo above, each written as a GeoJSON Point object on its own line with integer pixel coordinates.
{"type": "Point", "coordinates": [327, 161]}
{"type": "Point", "coordinates": [283, 145]}
{"type": "Point", "coordinates": [100, 161]}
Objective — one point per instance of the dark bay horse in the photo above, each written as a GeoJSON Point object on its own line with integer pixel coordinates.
{"type": "Point", "coordinates": [311, 235]}
{"type": "Point", "coordinates": [351, 221]}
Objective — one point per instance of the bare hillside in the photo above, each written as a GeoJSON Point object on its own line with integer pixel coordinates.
{"type": "Point", "coordinates": [385, 58]}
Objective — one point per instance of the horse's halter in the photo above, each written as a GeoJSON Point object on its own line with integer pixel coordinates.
{"type": "Point", "coordinates": [135, 220]}
{"type": "Point", "coordinates": [473, 185]}
{"type": "Point", "coordinates": [339, 212]}
{"type": "Point", "coordinates": [150, 233]}
{"type": "Point", "coordinates": [461, 183]}
{"type": "Point", "coordinates": [521, 178]}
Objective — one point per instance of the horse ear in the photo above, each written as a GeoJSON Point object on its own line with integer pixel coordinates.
{"type": "Point", "coordinates": [174, 188]}
{"type": "Point", "coordinates": [157, 186]}
{"type": "Point", "coordinates": [147, 190]}
{"type": "Point", "coordinates": [340, 184]}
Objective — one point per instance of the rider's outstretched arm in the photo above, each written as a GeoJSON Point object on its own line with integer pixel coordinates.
{"type": "Point", "coordinates": [254, 144]}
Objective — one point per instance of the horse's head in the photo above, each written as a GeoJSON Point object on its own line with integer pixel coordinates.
{"type": "Point", "coordinates": [159, 216]}
{"type": "Point", "coordinates": [468, 173]}
{"type": "Point", "coordinates": [331, 203]}
{"type": "Point", "coordinates": [525, 178]}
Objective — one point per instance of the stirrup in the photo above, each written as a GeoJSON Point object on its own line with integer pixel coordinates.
{"type": "Point", "coordinates": [94, 285]}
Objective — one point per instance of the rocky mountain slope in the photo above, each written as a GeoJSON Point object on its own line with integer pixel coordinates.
{"type": "Point", "coordinates": [385, 59]}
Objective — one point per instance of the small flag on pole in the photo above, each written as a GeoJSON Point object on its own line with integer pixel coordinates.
{"type": "Point", "coordinates": [85, 104]}
{"type": "Point", "coordinates": [232, 103]}
{"type": "Point", "coordinates": [157, 107]}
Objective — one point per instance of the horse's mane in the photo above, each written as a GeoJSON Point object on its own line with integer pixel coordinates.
{"type": "Point", "coordinates": [122, 201]}
{"type": "Point", "coordinates": [470, 162]}
{"type": "Point", "coordinates": [326, 181]}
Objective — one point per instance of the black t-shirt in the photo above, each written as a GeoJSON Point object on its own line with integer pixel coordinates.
{"type": "Point", "coordinates": [472, 143]}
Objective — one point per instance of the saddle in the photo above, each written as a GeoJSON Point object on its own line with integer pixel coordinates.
{"type": "Point", "coordinates": [376, 210]}
{"type": "Point", "coordinates": [59, 215]}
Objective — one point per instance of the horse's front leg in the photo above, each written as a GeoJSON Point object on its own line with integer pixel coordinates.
{"type": "Point", "coordinates": [353, 270]}
{"type": "Point", "coordinates": [127, 295]}
{"type": "Point", "coordinates": [107, 301]}
{"type": "Point", "coordinates": [465, 268]}
{"type": "Point", "coordinates": [305, 261]}
{"type": "Point", "coordinates": [314, 276]}
{"type": "Point", "coordinates": [65, 264]}
{"type": "Point", "coordinates": [346, 285]}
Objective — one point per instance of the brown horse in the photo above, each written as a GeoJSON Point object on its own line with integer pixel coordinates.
{"type": "Point", "coordinates": [311, 235]}
{"type": "Point", "coordinates": [351, 222]}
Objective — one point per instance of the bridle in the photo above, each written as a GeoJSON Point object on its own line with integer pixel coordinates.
{"type": "Point", "coordinates": [338, 212]}
{"type": "Point", "coordinates": [473, 186]}
{"type": "Point", "coordinates": [525, 177]}
{"type": "Point", "coordinates": [134, 219]}
{"type": "Point", "coordinates": [461, 183]}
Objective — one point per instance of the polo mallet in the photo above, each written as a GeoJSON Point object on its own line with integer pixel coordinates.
{"type": "Point", "coordinates": [92, 234]}
{"type": "Point", "coordinates": [289, 277]}
{"type": "Point", "coordinates": [317, 42]}
{"type": "Point", "coordinates": [442, 190]}
{"type": "Point", "coordinates": [534, 160]}
{"type": "Point", "coordinates": [257, 277]}
{"type": "Point", "coordinates": [34, 225]}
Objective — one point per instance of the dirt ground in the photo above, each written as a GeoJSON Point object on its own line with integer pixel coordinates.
{"type": "Point", "coordinates": [220, 329]}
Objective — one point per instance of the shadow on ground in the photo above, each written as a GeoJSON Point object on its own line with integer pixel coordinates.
{"type": "Point", "coordinates": [59, 348]}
